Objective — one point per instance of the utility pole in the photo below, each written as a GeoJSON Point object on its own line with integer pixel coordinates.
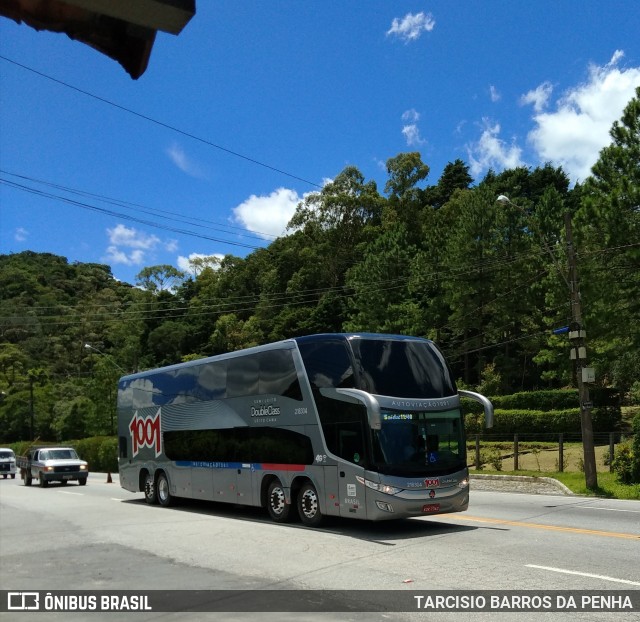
{"type": "Point", "coordinates": [31, 413]}
{"type": "Point", "coordinates": [577, 336]}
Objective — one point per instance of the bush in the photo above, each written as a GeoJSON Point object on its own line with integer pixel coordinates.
{"type": "Point", "coordinates": [635, 448]}
{"type": "Point", "coordinates": [623, 464]}
{"type": "Point", "coordinates": [101, 452]}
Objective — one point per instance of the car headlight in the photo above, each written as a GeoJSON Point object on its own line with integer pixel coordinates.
{"type": "Point", "coordinates": [48, 469]}
{"type": "Point", "coordinates": [384, 488]}
{"type": "Point", "coordinates": [83, 467]}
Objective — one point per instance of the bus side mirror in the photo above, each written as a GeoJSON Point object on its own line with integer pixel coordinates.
{"type": "Point", "coordinates": [487, 405]}
{"type": "Point", "coordinates": [355, 396]}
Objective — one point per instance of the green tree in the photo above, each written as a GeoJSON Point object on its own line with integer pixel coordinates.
{"type": "Point", "coordinates": [455, 176]}
{"type": "Point", "coordinates": [159, 278]}
{"type": "Point", "coordinates": [381, 301]}
{"type": "Point", "coordinates": [608, 232]}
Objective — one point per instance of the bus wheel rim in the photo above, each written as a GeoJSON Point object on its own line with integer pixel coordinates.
{"type": "Point", "coordinates": [163, 488]}
{"type": "Point", "coordinates": [310, 503]}
{"type": "Point", "coordinates": [277, 500]}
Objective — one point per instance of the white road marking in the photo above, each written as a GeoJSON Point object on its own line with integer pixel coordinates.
{"type": "Point", "coordinates": [583, 574]}
{"type": "Point", "coordinates": [66, 492]}
{"type": "Point", "coordinates": [597, 507]}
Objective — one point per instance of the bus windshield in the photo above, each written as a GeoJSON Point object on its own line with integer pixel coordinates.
{"type": "Point", "coordinates": [419, 443]}
{"type": "Point", "coordinates": [408, 369]}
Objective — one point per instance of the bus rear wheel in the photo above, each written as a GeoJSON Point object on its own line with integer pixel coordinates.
{"type": "Point", "coordinates": [150, 494]}
{"type": "Point", "coordinates": [309, 506]}
{"type": "Point", "coordinates": [164, 495]}
{"type": "Point", "coordinates": [277, 506]}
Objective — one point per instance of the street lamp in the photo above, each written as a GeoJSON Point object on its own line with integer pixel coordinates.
{"type": "Point", "coordinates": [577, 335]}
{"type": "Point", "coordinates": [107, 356]}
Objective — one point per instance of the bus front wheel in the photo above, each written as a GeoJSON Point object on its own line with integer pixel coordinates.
{"type": "Point", "coordinates": [277, 505]}
{"type": "Point", "coordinates": [164, 495]}
{"type": "Point", "coordinates": [309, 506]}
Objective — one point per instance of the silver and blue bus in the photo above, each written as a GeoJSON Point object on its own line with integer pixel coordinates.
{"type": "Point", "coordinates": [362, 425]}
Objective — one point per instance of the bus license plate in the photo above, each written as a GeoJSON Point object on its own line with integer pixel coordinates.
{"type": "Point", "coordinates": [431, 507]}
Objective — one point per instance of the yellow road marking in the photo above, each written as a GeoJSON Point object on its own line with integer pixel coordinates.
{"type": "Point", "coordinates": [515, 523]}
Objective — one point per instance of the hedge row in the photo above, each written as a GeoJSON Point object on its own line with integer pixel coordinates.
{"type": "Point", "coordinates": [539, 422]}
{"type": "Point", "coordinates": [551, 411]}
{"type": "Point", "coordinates": [552, 399]}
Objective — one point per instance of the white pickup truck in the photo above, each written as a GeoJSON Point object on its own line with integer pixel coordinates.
{"type": "Point", "coordinates": [7, 463]}
{"type": "Point", "coordinates": [52, 464]}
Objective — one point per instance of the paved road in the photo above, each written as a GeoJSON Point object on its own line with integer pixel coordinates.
{"type": "Point", "coordinates": [102, 537]}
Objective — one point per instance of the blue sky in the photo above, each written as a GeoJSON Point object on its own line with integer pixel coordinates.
{"type": "Point", "coordinates": [306, 88]}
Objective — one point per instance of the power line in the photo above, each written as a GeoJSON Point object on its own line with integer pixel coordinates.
{"type": "Point", "coordinates": [108, 212]}
{"type": "Point", "coordinates": [197, 222]}
{"type": "Point", "coordinates": [159, 123]}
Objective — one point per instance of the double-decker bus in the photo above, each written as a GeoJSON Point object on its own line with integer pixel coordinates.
{"type": "Point", "coordinates": [366, 426]}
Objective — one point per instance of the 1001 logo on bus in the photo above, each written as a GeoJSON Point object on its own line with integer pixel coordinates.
{"type": "Point", "coordinates": [145, 432]}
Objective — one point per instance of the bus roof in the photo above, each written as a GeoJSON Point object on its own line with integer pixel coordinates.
{"type": "Point", "coordinates": [284, 344]}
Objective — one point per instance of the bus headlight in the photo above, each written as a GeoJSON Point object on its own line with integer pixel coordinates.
{"type": "Point", "coordinates": [384, 488]}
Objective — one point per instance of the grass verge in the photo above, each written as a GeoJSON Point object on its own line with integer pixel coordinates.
{"type": "Point", "coordinates": [608, 485]}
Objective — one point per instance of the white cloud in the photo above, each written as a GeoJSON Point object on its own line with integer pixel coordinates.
{"type": "Point", "coordinates": [412, 135]}
{"type": "Point", "coordinates": [268, 216]}
{"type": "Point", "coordinates": [411, 27]}
{"type": "Point", "coordinates": [178, 156]}
{"type": "Point", "coordinates": [117, 256]}
{"type": "Point", "coordinates": [171, 246]}
{"type": "Point", "coordinates": [573, 135]}
{"type": "Point", "coordinates": [411, 131]}
{"type": "Point", "coordinates": [131, 238]}
{"type": "Point", "coordinates": [20, 234]}
{"type": "Point", "coordinates": [492, 152]}
{"type": "Point", "coordinates": [411, 115]}
{"type": "Point", "coordinates": [131, 247]}
{"type": "Point", "coordinates": [539, 97]}
{"type": "Point", "coordinates": [494, 94]}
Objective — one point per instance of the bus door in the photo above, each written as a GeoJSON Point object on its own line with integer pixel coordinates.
{"type": "Point", "coordinates": [351, 447]}
{"type": "Point", "coordinates": [352, 492]}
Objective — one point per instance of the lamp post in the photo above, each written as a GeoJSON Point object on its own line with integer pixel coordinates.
{"type": "Point", "coordinates": [577, 335]}
{"type": "Point", "coordinates": [88, 346]}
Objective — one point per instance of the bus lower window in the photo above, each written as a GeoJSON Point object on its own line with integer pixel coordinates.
{"type": "Point", "coordinates": [274, 445]}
